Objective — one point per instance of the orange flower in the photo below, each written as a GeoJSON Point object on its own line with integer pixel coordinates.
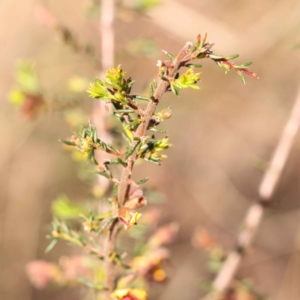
{"type": "Point", "coordinates": [128, 217]}
{"type": "Point", "coordinates": [151, 266]}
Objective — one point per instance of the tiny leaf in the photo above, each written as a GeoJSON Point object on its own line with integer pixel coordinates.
{"type": "Point", "coordinates": [51, 245]}
{"type": "Point", "coordinates": [143, 180]}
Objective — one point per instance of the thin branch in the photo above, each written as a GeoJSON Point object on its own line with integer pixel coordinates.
{"type": "Point", "coordinates": [109, 264]}
{"type": "Point", "coordinates": [107, 33]}
{"type": "Point", "coordinates": [107, 61]}
{"type": "Point", "coordinates": [146, 118]}
{"type": "Point", "coordinates": [255, 213]}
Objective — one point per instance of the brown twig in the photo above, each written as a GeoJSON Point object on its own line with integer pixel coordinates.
{"type": "Point", "coordinates": [109, 264]}
{"type": "Point", "coordinates": [255, 213]}
{"type": "Point", "coordinates": [125, 180]}
{"type": "Point", "coordinates": [146, 118]}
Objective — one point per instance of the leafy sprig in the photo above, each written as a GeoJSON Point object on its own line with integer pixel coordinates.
{"type": "Point", "coordinates": [127, 197]}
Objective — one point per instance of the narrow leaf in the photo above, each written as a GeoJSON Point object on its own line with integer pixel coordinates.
{"type": "Point", "coordinates": [174, 89]}
{"type": "Point", "coordinates": [193, 65]}
{"type": "Point", "coordinates": [95, 139]}
{"type": "Point", "coordinates": [171, 56]}
{"type": "Point", "coordinates": [144, 98]}
{"type": "Point", "coordinates": [248, 63]}
{"type": "Point", "coordinates": [67, 142]}
{"type": "Point", "coordinates": [103, 174]}
{"type": "Point", "coordinates": [242, 78]}
{"type": "Point", "coordinates": [155, 83]}
{"type": "Point", "coordinates": [158, 130]}
{"type": "Point", "coordinates": [234, 56]}
{"type": "Point", "coordinates": [128, 111]}
{"type": "Point", "coordinates": [215, 56]}
{"type": "Point", "coordinates": [51, 245]}
{"type": "Point", "coordinates": [130, 151]}
{"type": "Point", "coordinates": [105, 224]}
{"type": "Point", "coordinates": [151, 90]}
{"type": "Point", "coordinates": [115, 191]}
{"type": "Point", "coordinates": [143, 180]}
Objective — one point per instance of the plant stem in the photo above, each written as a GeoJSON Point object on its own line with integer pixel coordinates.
{"type": "Point", "coordinates": [107, 61]}
{"type": "Point", "coordinates": [255, 213]}
{"type": "Point", "coordinates": [146, 118]}
{"type": "Point", "coordinates": [125, 181]}
{"type": "Point", "coordinates": [109, 264]}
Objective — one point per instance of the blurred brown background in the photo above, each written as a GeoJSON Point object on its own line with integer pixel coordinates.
{"type": "Point", "coordinates": [221, 133]}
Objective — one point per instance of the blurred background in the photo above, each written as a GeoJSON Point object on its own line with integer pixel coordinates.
{"type": "Point", "coordinates": [223, 134]}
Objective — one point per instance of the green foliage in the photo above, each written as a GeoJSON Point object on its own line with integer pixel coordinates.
{"type": "Point", "coordinates": [26, 83]}
{"type": "Point", "coordinates": [86, 141]}
{"type": "Point", "coordinates": [149, 148]}
{"type": "Point", "coordinates": [26, 77]}
{"type": "Point", "coordinates": [113, 88]}
{"type": "Point", "coordinates": [61, 231]}
{"type": "Point", "coordinates": [225, 64]}
{"type": "Point", "coordinates": [79, 227]}
{"type": "Point", "coordinates": [63, 208]}
{"type": "Point", "coordinates": [144, 5]}
{"type": "Point", "coordinates": [185, 80]}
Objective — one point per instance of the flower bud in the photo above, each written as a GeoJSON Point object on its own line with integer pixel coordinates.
{"type": "Point", "coordinates": [165, 114]}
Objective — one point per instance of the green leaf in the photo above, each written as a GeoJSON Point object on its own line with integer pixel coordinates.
{"type": "Point", "coordinates": [193, 65]}
{"type": "Point", "coordinates": [248, 63]}
{"type": "Point", "coordinates": [151, 90]}
{"type": "Point", "coordinates": [153, 160]}
{"type": "Point", "coordinates": [111, 147]}
{"type": "Point", "coordinates": [115, 191]}
{"type": "Point", "coordinates": [158, 130]}
{"type": "Point", "coordinates": [144, 98]}
{"type": "Point", "coordinates": [128, 132]}
{"type": "Point", "coordinates": [63, 208]}
{"type": "Point", "coordinates": [171, 56]}
{"type": "Point", "coordinates": [51, 245]}
{"type": "Point", "coordinates": [242, 78]}
{"type": "Point", "coordinates": [215, 56]}
{"type": "Point", "coordinates": [67, 142]}
{"type": "Point", "coordinates": [145, 5]}
{"type": "Point", "coordinates": [95, 139]}
{"type": "Point", "coordinates": [105, 224]}
{"type": "Point", "coordinates": [92, 285]}
{"type": "Point", "coordinates": [118, 161]}
{"type": "Point", "coordinates": [98, 90]}
{"type": "Point", "coordinates": [130, 151]}
{"type": "Point", "coordinates": [143, 180]}
{"type": "Point", "coordinates": [27, 78]}
{"type": "Point", "coordinates": [90, 154]}
{"type": "Point", "coordinates": [174, 89]}
{"type": "Point", "coordinates": [127, 111]}
{"type": "Point", "coordinates": [103, 174]}
{"type": "Point", "coordinates": [154, 83]}
{"type": "Point", "coordinates": [234, 56]}
{"type": "Point", "coordinates": [187, 79]}
{"type": "Point", "coordinates": [194, 48]}
{"type": "Point", "coordinates": [95, 161]}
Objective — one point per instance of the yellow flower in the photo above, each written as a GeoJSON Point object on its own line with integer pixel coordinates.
{"type": "Point", "coordinates": [129, 294]}
{"type": "Point", "coordinates": [87, 144]}
{"type": "Point", "coordinates": [128, 217]}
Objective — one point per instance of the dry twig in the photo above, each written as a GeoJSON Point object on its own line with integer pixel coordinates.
{"type": "Point", "coordinates": [255, 213]}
